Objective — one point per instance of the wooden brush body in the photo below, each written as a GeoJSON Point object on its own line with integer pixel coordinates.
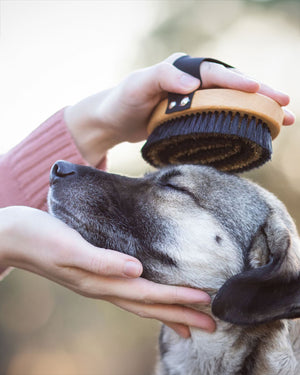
{"type": "Point", "coordinates": [228, 129]}
{"type": "Point", "coordinates": [227, 100]}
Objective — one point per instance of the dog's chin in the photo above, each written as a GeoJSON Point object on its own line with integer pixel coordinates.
{"type": "Point", "coordinates": [62, 213]}
{"type": "Point", "coordinates": [100, 236]}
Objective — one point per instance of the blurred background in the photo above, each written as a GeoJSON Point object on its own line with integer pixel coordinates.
{"type": "Point", "coordinates": [54, 53]}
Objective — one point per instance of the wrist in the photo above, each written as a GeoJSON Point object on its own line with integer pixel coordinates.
{"type": "Point", "coordinates": [89, 128]}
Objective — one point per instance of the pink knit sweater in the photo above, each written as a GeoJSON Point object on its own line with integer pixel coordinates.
{"type": "Point", "coordinates": [24, 170]}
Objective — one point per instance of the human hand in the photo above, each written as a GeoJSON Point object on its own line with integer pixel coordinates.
{"type": "Point", "coordinates": [122, 113]}
{"type": "Point", "coordinates": [35, 241]}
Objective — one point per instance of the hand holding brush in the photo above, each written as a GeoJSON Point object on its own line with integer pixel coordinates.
{"type": "Point", "coordinates": [231, 130]}
{"type": "Point", "coordinates": [122, 113]}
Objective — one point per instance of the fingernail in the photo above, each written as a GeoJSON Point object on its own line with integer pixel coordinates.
{"type": "Point", "coordinates": [185, 334]}
{"type": "Point", "coordinates": [202, 298]}
{"type": "Point", "coordinates": [285, 99]}
{"type": "Point", "coordinates": [255, 85]}
{"type": "Point", "coordinates": [209, 329]}
{"type": "Point", "coordinates": [132, 269]}
{"type": "Point", "coordinates": [212, 328]}
{"type": "Point", "coordinates": [281, 92]}
{"type": "Point", "coordinates": [289, 112]}
{"type": "Point", "coordinates": [206, 300]}
{"type": "Point", "coordinates": [250, 79]}
{"type": "Point", "coordinates": [289, 118]}
{"type": "Point", "coordinates": [188, 81]}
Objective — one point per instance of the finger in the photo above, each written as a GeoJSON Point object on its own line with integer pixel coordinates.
{"type": "Point", "coordinates": [170, 313]}
{"type": "Point", "coordinates": [282, 99]}
{"type": "Point", "coordinates": [105, 262]}
{"type": "Point", "coordinates": [289, 117]}
{"type": "Point", "coordinates": [145, 291]}
{"type": "Point", "coordinates": [164, 77]}
{"type": "Point", "coordinates": [136, 290]}
{"type": "Point", "coordinates": [216, 75]}
{"type": "Point", "coordinates": [180, 329]}
{"type": "Point", "coordinates": [172, 58]}
{"type": "Point", "coordinates": [279, 96]}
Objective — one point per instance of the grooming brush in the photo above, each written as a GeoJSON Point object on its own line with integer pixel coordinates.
{"type": "Point", "coordinates": [228, 129]}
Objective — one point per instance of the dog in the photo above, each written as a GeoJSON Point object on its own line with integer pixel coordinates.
{"type": "Point", "coordinates": [195, 226]}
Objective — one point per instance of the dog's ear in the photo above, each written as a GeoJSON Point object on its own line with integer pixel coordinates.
{"type": "Point", "coordinates": [269, 292]}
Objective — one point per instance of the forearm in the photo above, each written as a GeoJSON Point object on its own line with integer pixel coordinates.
{"type": "Point", "coordinates": [91, 130]}
{"type": "Point", "coordinates": [24, 170]}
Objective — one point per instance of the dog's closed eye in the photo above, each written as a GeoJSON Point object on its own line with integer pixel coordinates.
{"type": "Point", "coordinates": [168, 181]}
{"type": "Point", "coordinates": [169, 175]}
{"type": "Point", "coordinates": [181, 190]}
{"type": "Point", "coordinates": [175, 187]}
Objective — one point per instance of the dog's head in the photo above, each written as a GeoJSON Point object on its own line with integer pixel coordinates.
{"type": "Point", "coordinates": [191, 225]}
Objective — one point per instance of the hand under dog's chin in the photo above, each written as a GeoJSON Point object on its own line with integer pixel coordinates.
{"type": "Point", "coordinates": [78, 223]}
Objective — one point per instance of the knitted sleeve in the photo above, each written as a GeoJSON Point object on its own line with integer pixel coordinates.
{"type": "Point", "coordinates": [24, 170]}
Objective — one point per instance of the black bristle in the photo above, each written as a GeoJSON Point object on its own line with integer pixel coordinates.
{"type": "Point", "coordinates": [219, 123]}
{"type": "Point", "coordinates": [212, 122]}
{"type": "Point", "coordinates": [243, 126]}
{"type": "Point", "coordinates": [203, 118]}
{"type": "Point", "coordinates": [251, 130]}
{"type": "Point", "coordinates": [259, 132]}
{"type": "Point", "coordinates": [234, 126]}
{"type": "Point", "coordinates": [229, 142]}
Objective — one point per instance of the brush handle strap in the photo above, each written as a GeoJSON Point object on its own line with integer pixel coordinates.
{"type": "Point", "coordinates": [190, 65]}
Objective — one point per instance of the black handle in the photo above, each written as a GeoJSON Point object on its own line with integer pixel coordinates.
{"type": "Point", "coordinates": [190, 65]}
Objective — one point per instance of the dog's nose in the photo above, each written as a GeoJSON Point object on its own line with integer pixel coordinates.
{"type": "Point", "coordinates": [61, 169]}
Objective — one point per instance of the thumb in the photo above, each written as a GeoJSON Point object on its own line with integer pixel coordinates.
{"type": "Point", "coordinates": [168, 78]}
{"type": "Point", "coordinates": [105, 262]}
{"type": "Point", "coordinates": [164, 77]}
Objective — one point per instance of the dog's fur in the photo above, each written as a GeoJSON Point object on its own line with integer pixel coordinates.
{"type": "Point", "coordinates": [195, 226]}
